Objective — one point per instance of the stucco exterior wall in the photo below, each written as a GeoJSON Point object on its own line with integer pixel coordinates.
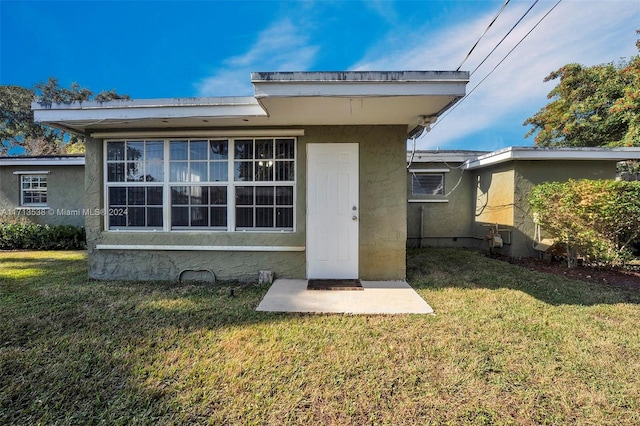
{"type": "Point", "coordinates": [65, 195]}
{"type": "Point", "coordinates": [445, 220]}
{"type": "Point", "coordinates": [383, 202]}
{"type": "Point", "coordinates": [531, 173]}
{"type": "Point", "coordinates": [382, 221]}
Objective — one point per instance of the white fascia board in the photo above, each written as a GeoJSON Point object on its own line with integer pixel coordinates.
{"type": "Point", "coordinates": [567, 154]}
{"type": "Point", "coordinates": [148, 109]}
{"type": "Point", "coordinates": [204, 133]}
{"type": "Point", "coordinates": [18, 161]}
{"type": "Point", "coordinates": [443, 156]}
{"type": "Point", "coordinates": [359, 89]}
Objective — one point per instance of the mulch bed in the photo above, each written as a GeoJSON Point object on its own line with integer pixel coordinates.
{"type": "Point", "coordinates": [627, 279]}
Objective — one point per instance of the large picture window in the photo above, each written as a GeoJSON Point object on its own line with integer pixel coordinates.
{"type": "Point", "coordinates": [229, 185]}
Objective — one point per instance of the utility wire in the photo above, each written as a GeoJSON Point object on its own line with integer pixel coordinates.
{"type": "Point", "coordinates": [485, 31]}
{"type": "Point", "coordinates": [505, 36]}
{"type": "Point", "coordinates": [494, 68]}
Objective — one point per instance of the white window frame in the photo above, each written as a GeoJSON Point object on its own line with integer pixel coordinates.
{"type": "Point", "coordinates": [230, 184]}
{"type": "Point", "coordinates": [44, 190]}
{"type": "Point", "coordinates": [416, 174]}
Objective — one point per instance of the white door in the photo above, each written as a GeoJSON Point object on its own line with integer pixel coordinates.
{"type": "Point", "coordinates": [333, 211]}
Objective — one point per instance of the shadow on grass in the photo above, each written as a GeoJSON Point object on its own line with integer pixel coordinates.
{"type": "Point", "coordinates": [438, 268]}
{"type": "Point", "coordinates": [76, 351]}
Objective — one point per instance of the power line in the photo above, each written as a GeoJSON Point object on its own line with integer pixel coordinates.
{"type": "Point", "coordinates": [505, 36]}
{"type": "Point", "coordinates": [494, 68]}
{"type": "Point", "coordinates": [482, 35]}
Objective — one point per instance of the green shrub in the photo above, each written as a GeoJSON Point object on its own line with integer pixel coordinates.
{"type": "Point", "coordinates": [597, 219]}
{"type": "Point", "coordinates": [15, 236]}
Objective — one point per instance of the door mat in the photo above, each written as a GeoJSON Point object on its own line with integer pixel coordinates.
{"type": "Point", "coordinates": [334, 285]}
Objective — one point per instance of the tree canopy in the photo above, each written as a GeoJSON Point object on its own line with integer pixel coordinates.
{"type": "Point", "coordinates": [591, 106]}
{"type": "Point", "coordinates": [19, 132]}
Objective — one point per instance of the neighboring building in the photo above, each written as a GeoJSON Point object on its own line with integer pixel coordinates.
{"type": "Point", "coordinates": [455, 197]}
{"type": "Point", "coordinates": [303, 179]}
{"type": "Point", "coordinates": [45, 190]}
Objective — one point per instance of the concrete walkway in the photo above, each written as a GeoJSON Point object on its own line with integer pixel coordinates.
{"type": "Point", "coordinates": [378, 297]}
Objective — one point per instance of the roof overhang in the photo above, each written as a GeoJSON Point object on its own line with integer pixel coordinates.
{"type": "Point", "coordinates": [74, 160]}
{"type": "Point", "coordinates": [565, 154]}
{"type": "Point", "coordinates": [410, 98]}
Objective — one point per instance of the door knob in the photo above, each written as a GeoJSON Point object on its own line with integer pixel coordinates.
{"type": "Point", "coordinates": [354, 217]}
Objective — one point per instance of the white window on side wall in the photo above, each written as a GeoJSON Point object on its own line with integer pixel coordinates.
{"type": "Point", "coordinates": [427, 184]}
{"type": "Point", "coordinates": [33, 191]}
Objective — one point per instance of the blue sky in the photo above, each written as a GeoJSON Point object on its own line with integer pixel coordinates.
{"type": "Point", "coordinates": [158, 49]}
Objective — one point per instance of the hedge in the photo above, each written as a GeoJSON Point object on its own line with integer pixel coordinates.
{"type": "Point", "coordinates": [598, 219]}
{"type": "Point", "coordinates": [18, 236]}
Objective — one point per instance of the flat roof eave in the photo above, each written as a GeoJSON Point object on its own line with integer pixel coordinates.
{"type": "Point", "coordinates": [558, 154]}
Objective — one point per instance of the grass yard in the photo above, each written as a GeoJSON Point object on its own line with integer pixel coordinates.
{"type": "Point", "coordinates": [507, 346]}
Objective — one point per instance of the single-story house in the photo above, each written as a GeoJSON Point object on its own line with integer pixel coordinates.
{"type": "Point", "coordinates": [456, 198]}
{"type": "Point", "coordinates": [304, 178]}
{"type": "Point", "coordinates": [44, 189]}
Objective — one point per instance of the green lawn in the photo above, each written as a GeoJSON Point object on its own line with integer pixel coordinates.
{"type": "Point", "coordinates": [506, 346]}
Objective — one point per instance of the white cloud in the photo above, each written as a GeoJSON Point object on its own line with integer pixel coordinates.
{"type": "Point", "coordinates": [282, 46]}
{"type": "Point", "coordinates": [590, 33]}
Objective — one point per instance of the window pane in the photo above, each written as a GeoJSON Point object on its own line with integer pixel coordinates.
{"type": "Point", "coordinates": [218, 216]}
{"type": "Point", "coordinates": [264, 196]}
{"type": "Point", "coordinates": [135, 171]}
{"type": "Point", "coordinates": [136, 196]}
{"type": "Point", "coordinates": [427, 184]}
{"type": "Point", "coordinates": [244, 195]}
{"type": "Point", "coordinates": [117, 220]}
{"type": "Point", "coordinates": [154, 196]}
{"type": "Point", "coordinates": [285, 148]}
{"type": "Point", "coordinates": [284, 195]}
{"type": "Point", "coordinates": [135, 151]}
{"type": "Point", "coordinates": [199, 216]}
{"type": "Point", "coordinates": [284, 217]}
{"type": "Point", "coordinates": [199, 172]}
{"type": "Point", "coordinates": [219, 150]}
{"type": "Point", "coordinates": [179, 195]}
{"type": "Point", "coordinates": [136, 216]}
{"type": "Point", "coordinates": [264, 149]}
{"type": "Point", "coordinates": [243, 171]}
{"type": "Point", "coordinates": [115, 151]}
{"type": "Point", "coordinates": [179, 216]}
{"type": "Point", "coordinates": [218, 171]}
{"type": "Point", "coordinates": [264, 170]}
{"type": "Point", "coordinates": [178, 150]}
{"type": "Point", "coordinates": [198, 150]}
{"type": "Point", "coordinates": [117, 196]}
{"type": "Point", "coordinates": [264, 217]}
{"type": "Point", "coordinates": [115, 172]}
{"type": "Point", "coordinates": [199, 195]}
{"type": "Point", "coordinates": [155, 172]}
{"type": "Point", "coordinates": [244, 217]}
{"type": "Point", "coordinates": [244, 149]}
{"type": "Point", "coordinates": [154, 216]}
{"type": "Point", "coordinates": [178, 171]}
{"type": "Point", "coordinates": [218, 195]}
{"type": "Point", "coordinates": [285, 171]}
{"type": "Point", "coordinates": [155, 150]}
